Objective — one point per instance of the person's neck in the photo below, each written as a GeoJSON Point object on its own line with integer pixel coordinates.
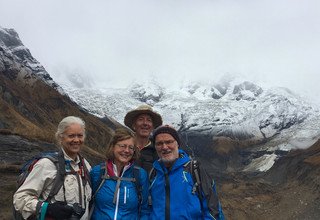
{"type": "Point", "coordinates": [142, 142]}
{"type": "Point", "coordinates": [119, 166]}
{"type": "Point", "coordinates": [168, 164]}
{"type": "Point", "coordinates": [73, 156]}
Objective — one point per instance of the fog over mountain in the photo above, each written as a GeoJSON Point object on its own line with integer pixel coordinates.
{"type": "Point", "coordinates": [272, 42]}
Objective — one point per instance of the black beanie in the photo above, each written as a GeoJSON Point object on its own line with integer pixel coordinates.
{"type": "Point", "coordinates": [167, 130]}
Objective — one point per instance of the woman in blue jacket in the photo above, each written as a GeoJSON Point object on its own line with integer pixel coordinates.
{"type": "Point", "coordinates": [120, 188]}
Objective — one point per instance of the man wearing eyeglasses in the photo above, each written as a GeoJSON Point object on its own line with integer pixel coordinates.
{"type": "Point", "coordinates": [178, 191]}
{"type": "Point", "coordinates": [142, 121]}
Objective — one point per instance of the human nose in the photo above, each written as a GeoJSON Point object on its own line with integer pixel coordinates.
{"type": "Point", "coordinates": [77, 138]}
{"type": "Point", "coordinates": [128, 151]}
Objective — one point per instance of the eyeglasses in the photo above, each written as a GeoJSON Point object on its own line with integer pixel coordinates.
{"type": "Point", "coordinates": [161, 143]}
{"type": "Point", "coordinates": [124, 147]}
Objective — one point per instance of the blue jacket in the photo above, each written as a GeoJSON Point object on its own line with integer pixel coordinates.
{"type": "Point", "coordinates": [126, 206]}
{"type": "Point", "coordinates": [172, 189]}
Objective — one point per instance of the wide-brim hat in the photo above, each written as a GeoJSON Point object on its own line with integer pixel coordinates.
{"type": "Point", "coordinates": [131, 116]}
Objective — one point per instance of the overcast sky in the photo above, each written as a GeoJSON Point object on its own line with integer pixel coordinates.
{"type": "Point", "coordinates": [269, 41]}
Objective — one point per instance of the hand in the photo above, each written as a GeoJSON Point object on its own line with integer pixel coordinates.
{"type": "Point", "coordinates": [59, 210]}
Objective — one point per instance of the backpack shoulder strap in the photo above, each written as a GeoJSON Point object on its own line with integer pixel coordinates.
{"type": "Point", "coordinates": [152, 174]}
{"type": "Point", "coordinates": [137, 183]}
{"type": "Point", "coordinates": [103, 176]}
{"type": "Point", "coordinates": [205, 186]}
{"type": "Point", "coordinates": [86, 174]}
{"type": "Point", "coordinates": [136, 176]}
{"type": "Point", "coordinates": [193, 168]}
{"type": "Point", "coordinates": [209, 191]}
{"type": "Point", "coordinates": [58, 160]}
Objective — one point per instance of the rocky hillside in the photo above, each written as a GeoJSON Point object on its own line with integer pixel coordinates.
{"type": "Point", "coordinates": [289, 190]}
{"type": "Point", "coordinates": [31, 103]}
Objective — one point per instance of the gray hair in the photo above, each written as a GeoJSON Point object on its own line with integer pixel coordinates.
{"type": "Point", "coordinates": [66, 122]}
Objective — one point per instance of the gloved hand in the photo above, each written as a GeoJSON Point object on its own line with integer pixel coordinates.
{"type": "Point", "coordinates": [59, 210]}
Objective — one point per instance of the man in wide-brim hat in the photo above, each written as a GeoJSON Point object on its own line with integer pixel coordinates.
{"type": "Point", "coordinates": [143, 120]}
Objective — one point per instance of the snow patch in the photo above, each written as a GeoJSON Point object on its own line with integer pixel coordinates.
{"type": "Point", "coordinates": [262, 164]}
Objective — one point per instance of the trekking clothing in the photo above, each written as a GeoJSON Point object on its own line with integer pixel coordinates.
{"type": "Point", "coordinates": [110, 203]}
{"type": "Point", "coordinates": [39, 182]}
{"type": "Point", "coordinates": [148, 155]}
{"type": "Point", "coordinates": [172, 193]}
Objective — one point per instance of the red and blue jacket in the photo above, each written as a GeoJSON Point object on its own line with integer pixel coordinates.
{"type": "Point", "coordinates": [126, 205]}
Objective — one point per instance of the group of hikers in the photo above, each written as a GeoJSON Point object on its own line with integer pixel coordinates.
{"type": "Point", "coordinates": [146, 175]}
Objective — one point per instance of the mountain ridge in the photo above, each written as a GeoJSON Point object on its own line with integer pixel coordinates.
{"type": "Point", "coordinates": [225, 110]}
{"type": "Point", "coordinates": [242, 111]}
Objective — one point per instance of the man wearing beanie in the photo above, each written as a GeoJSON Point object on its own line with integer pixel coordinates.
{"type": "Point", "coordinates": [176, 191]}
{"type": "Point", "coordinates": [142, 121]}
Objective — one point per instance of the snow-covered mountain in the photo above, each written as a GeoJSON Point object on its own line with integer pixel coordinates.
{"type": "Point", "coordinates": [14, 49]}
{"type": "Point", "coordinates": [231, 108]}
{"type": "Point", "coordinates": [239, 110]}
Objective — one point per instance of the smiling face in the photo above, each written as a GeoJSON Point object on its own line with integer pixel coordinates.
{"type": "Point", "coordinates": [143, 125]}
{"type": "Point", "coordinates": [123, 151]}
{"type": "Point", "coordinates": [72, 140]}
{"type": "Point", "coordinates": [167, 148]}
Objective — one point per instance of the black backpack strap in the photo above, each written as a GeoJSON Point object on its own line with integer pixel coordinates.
{"type": "Point", "coordinates": [210, 194]}
{"type": "Point", "coordinates": [136, 176]}
{"type": "Point", "coordinates": [205, 188]}
{"type": "Point", "coordinates": [61, 172]}
{"type": "Point", "coordinates": [196, 176]}
{"type": "Point", "coordinates": [193, 168]}
{"type": "Point", "coordinates": [152, 175]}
{"type": "Point", "coordinates": [103, 176]}
{"type": "Point", "coordinates": [86, 174]}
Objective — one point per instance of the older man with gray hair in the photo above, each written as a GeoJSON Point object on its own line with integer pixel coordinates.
{"type": "Point", "coordinates": [180, 188]}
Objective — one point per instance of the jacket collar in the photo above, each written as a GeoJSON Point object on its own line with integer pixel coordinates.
{"type": "Point", "coordinates": [183, 158]}
{"type": "Point", "coordinates": [66, 157]}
